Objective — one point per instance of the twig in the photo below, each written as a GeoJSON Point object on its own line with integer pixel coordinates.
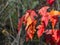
{"type": "Point", "coordinates": [4, 7]}
{"type": "Point", "coordinates": [11, 22]}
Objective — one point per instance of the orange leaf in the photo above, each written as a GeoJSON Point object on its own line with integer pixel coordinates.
{"type": "Point", "coordinates": [31, 30]}
{"type": "Point", "coordinates": [29, 21]}
{"type": "Point", "coordinates": [54, 13]}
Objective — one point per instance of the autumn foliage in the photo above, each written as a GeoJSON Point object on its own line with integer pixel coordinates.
{"type": "Point", "coordinates": [30, 19]}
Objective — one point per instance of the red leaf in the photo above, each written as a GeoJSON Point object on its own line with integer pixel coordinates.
{"type": "Point", "coordinates": [54, 17]}
{"type": "Point", "coordinates": [43, 11]}
{"type": "Point", "coordinates": [40, 30]}
{"type": "Point", "coordinates": [49, 32]}
{"type": "Point", "coordinates": [45, 15]}
{"type": "Point", "coordinates": [54, 20]}
{"type": "Point", "coordinates": [55, 34]}
{"type": "Point", "coordinates": [58, 43]}
{"type": "Point", "coordinates": [30, 35]}
{"type": "Point", "coordinates": [45, 19]}
{"type": "Point", "coordinates": [50, 2]}
{"type": "Point", "coordinates": [20, 23]}
{"type": "Point", "coordinates": [32, 14]}
{"type": "Point", "coordinates": [49, 39]}
{"type": "Point", "coordinates": [31, 30]}
{"type": "Point", "coordinates": [58, 33]}
{"type": "Point", "coordinates": [29, 17]}
{"type": "Point", "coordinates": [25, 18]}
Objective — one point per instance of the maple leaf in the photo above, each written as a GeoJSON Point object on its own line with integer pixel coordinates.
{"type": "Point", "coordinates": [40, 30]}
{"type": "Point", "coordinates": [30, 23]}
{"type": "Point", "coordinates": [45, 19]}
{"type": "Point", "coordinates": [54, 17]}
{"type": "Point", "coordinates": [29, 17]}
{"type": "Point", "coordinates": [30, 35]}
{"type": "Point", "coordinates": [32, 14]}
{"type": "Point", "coordinates": [54, 34]}
{"type": "Point", "coordinates": [31, 30]}
{"type": "Point", "coordinates": [50, 2]}
{"type": "Point", "coordinates": [49, 39]}
{"type": "Point", "coordinates": [44, 13]}
{"type": "Point", "coordinates": [54, 21]}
